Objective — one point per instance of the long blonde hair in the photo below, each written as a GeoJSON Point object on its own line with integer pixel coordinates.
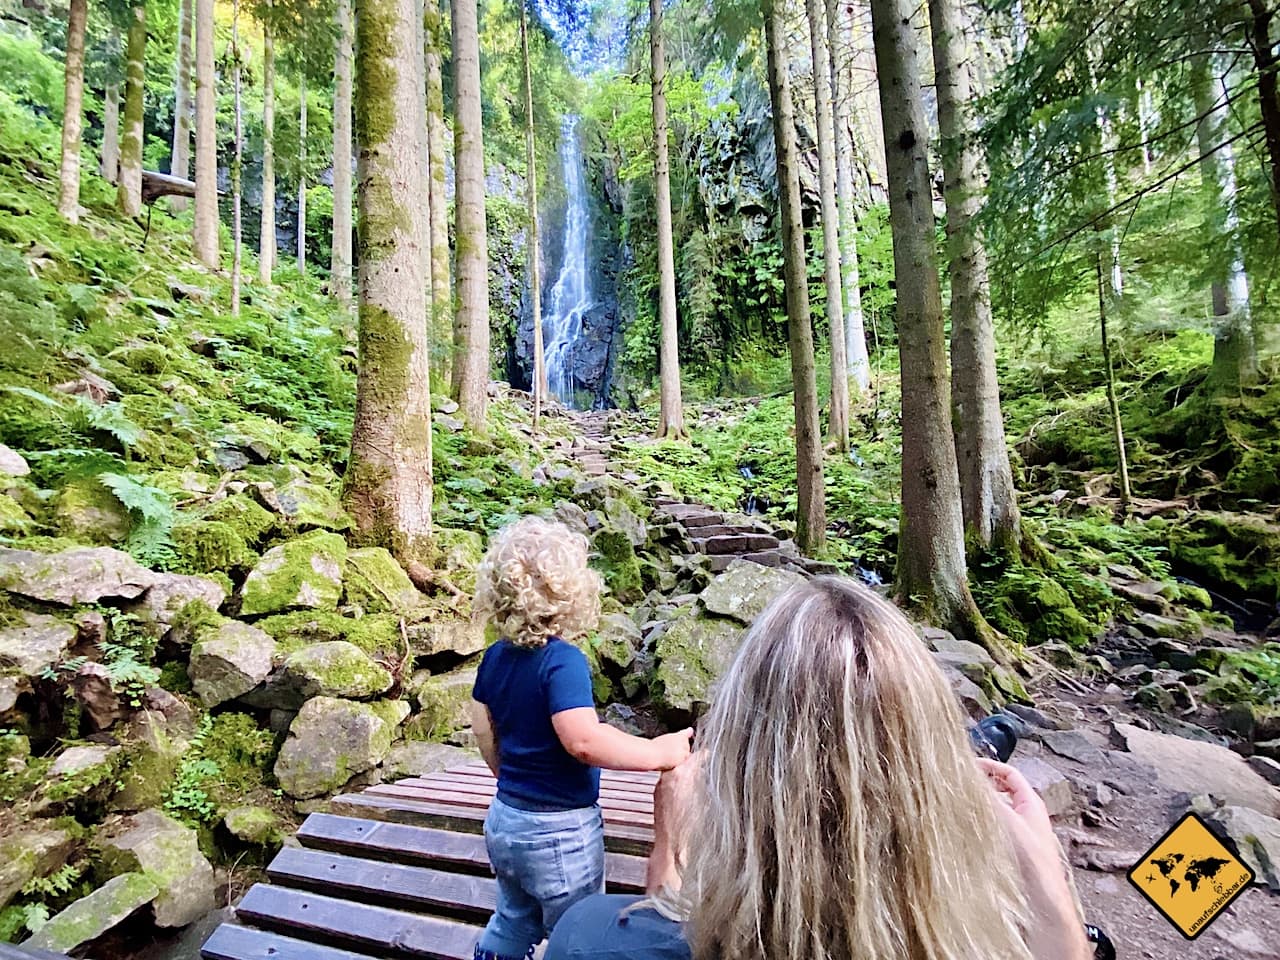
{"type": "Point", "coordinates": [534, 583]}
{"type": "Point", "coordinates": [844, 817]}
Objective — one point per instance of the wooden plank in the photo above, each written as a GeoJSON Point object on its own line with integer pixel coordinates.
{"type": "Point", "coordinates": [619, 837]}
{"type": "Point", "coordinates": [613, 776]}
{"type": "Point", "coordinates": [422, 889]}
{"type": "Point", "coordinates": [9, 951]}
{"type": "Point", "coordinates": [467, 783]}
{"type": "Point", "coordinates": [343, 923]}
{"type": "Point", "coordinates": [233, 942]}
{"type": "Point", "coordinates": [425, 846]}
{"type": "Point", "coordinates": [623, 811]}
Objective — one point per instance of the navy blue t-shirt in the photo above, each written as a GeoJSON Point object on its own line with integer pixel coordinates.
{"type": "Point", "coordinates": [523, 687]}
{"type": "Point", "coordinates": [596, 926]}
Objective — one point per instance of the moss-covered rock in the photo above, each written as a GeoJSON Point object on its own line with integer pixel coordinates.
{"type": "Point", "coordinates": [166, 853]}
{"type": "Point", "coordinates": [91, 916]}
{"type": "Point", "coordinates": [257, 825]}
{"type": "Point", "coordinates": [304, 573]}
{"type": "Point", "coordinates": [1235, 552]}
{"type": "Point", "coordinates": [82, 770]}
{"type": "Point", "coordinates": [692, 654]}
{"type": "Point", "coordinates": [36, 850]}
{"type": "Point", "coordinates": [209, 546]}
{"type": "Point", "coordinates": [444, 705]}
{"type": "Point", "coordinates": [229, 659]}
{"type": "Point", "coordinates": [377, 635]}
{"type": "Point", "coordinates": [153, 753]}
{"type": "Point", "coordinates": [615, 558]}
{"type": "Point", "coordinates": [376, 583]}
{"type": "Point", "coordinates": [330, 741]}
{"type": "Point", "coordinates": [87, 512]}
{"type": "Point", "coordinates": [447, 633]}
{"type": "Point", "coordinates": [309, 506]}
{"type": "Point", "coordinates": [34, 643]}
{"type": "Point", "coordinates": [1043, 610]}
{"type": "Point", "coordinates": [744, 589]}
{"type": "Point", "coordinates": [244, 515]}
{"type": "Point", "coordinates": [460, 552]}
{"type": "Point", "coordinates": [14, 521]}
{"type": "Point", "coordinates": [337, 669]}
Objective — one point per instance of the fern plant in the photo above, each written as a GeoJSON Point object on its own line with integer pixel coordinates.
{"type": "Point", "coordinates": [150, 539]}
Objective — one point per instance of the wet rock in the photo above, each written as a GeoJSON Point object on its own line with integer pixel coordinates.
{"type": "Point", "coordinates": [1256, 838]}
{"type": "Point", "coordinates": [337, 669]}
{"type": "Point", "coordinates": [90, 917]}
{"type": "Point", "coordinates": [229, 659]}
{"type": "Point", "coordinates": [305, 573]}
{"type": "Point", "coordinates": [1054, 788]}
{"type": "Point", "coordinates": [331, 740]}
{"type": "Point", "coordinates": [36, 849]}
{"type": "Point", "coordinates": [73, 576]}
{"type": "Point", "coordinates": [416, 758]}
{"type": "Point", "coordinates": [745, 589]}
{"type": "Point", "coordinates": [378, 584]}
{"type": "Point", "coordinates": [37, 643]}
{"type": "Point", "coordinates": [168, 853]}
{"type": "Point", "coordinates": [1192, 767]}
{"type": "Point", "coordinates": [444, 705]}
{"type": "Point", "coordinates": [692, 654]}
{"type": "Point", "coordinates": [12, 463]}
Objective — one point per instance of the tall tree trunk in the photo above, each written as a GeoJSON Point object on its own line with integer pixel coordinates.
{"type": "Point", "coordinates": [931, 570]}
{"type": "Point", "coordinates": [340, 262]}
{"type": "Point", "coordinates": [206, 222]}
{"type": "Point", "coordinates": [388, 483]}
{"type": "Point", "coordinates": [267, 228]}
{"type": "Point", "coordinates": [129, 190]}
{"type": "Point", "coordinates": [237, 161]}
{"type": "Point", "coordinates": [990, 502]}
{"type": "Point", "coordinates": [535, 252]}
{"type": "Point", "coordinates": [441, 293]}
{"type": "Point", "coordinates": [1235, 355]}
{"type": "Point", "coordinates": [180, 158]}
{"type": "Point", "coordinates": [1146, 120]}
{"type": "Point", "coordinates": [110, 165]}
{"type": "Point", "coordinates": [811, 514]}
{"type": "Point", "coordinates": [838, 425]}
{"type": "Point", "coordinates": [73, 113]}
{"type": "Point", "coordinates": [1110, 147]}
{"type": "Point", "coordinates": [302, 176]}
{"type": "Point", "coordinates": [671, 408]}
{"type": "Point", "coordinates": [839, 38]}
{"type": "Point", "coordinates": [1257, 31]}
{"type": "Point", "coordinates": [471, 320]}
{"type": "Point", "coordinates": [1113, 403]}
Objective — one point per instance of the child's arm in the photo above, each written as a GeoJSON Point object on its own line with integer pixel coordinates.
{"type": "Point", "coordinates": [482, 727]}
{"type": "Point", "coordinates": [587, 739]}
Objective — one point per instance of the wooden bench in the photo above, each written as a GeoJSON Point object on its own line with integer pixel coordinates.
{"type": "Point", "coordinates": [400, 870]}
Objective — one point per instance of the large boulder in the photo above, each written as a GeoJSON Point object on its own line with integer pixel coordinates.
{"type": "Point", "coordinates": [36, 849]}
{"type": "Point", "coordinates": [618, 640]}
{"type": "Point", "coordinates": [417, 758]}
{"type": "Point", "coordinates": [618, 514]}
{"type": "Point", "coordinates": [337, 669]}
{"type": "Point", "coordinates": [38, 642]}
{"type": "Point", "coordinates": [615, 558]}
{"type": "Point", "coordinates": [745, 589]}
{"type": "Point", "coordinates": [441, 635]}
{"type": "Point", "coordinates": [305, 573]}
{"type": "Point", "coordinates": [86, 511]}
{"type": "Point", "coordinates": [161, 605]}
{"type": "Point", "coordinates": [73, 576]}
{"type": "Point", "coordinates": [81, 770]}
{"type": "Point", "coordinates": [168, 853]}
{"type": "Point", "coordinates": [331, 740]}
{"type": "Point", "coordinates": [90, 917]}
{"type": "Point", "coordinates": [157, 744]}
{"type": "Point", "coordinates": [1195, 767]}
{"type": "Point", "coordinates": [376, 583]}
{"type": "Point", "coordinates": [693, 653]}
{"type": "Point", "coordinates": [229, 659]}
{"type": "Point", "coordinates": [12, 463]}
{"type": "Point", "coordinates": [309, 505]}
{"type": "Point", "coordinates": [444, 705]}
{"type": "Point", "coordinates": [1256, 837]}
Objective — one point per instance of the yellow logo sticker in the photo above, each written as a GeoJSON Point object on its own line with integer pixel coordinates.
{"type": "Point", "coordinates": [1189, 876]}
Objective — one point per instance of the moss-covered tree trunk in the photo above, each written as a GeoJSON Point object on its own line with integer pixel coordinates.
{"type": "Point", "coordinates": [437, 138]}
{"type": "Point", "coordinates": [811, 514]}
{"type": "Point", "coordinates": [1266, 61]}
{"type": "Point", "coordinates": [302, 176]}
{"type": "Point", "coordinates": [340, 259]}
{"type": "Point", "coordinates": [671, 407]}
{"type": "Point", "coordinates": [471, 320]}
{"type": "Point", "coordinates": [840, 42]}
{"type": "Point", "coordinates": [1235, 352]}
{"type": "Point", "coordinates": [992, 520]}
{"type": "Point", "coordinates": [267, 225]}
{"type": "Point", "coordinates": [180, 157]}
{"type": "Point", "coordinates": [824, 108]}
{"type": "Point", "coordinates": [388, 484]}
{"type": "Point", "coordinates": [206, 220]}
{"type": "Point", "coordinates": [129, 190]}
{"type": "Point", "coordinates": [535, 250]}
{"type": "Point", "coordinates": [73, 113]}
{"type": "Point", "coordinates": [931, 572]}
{"type": "Point", "coordinates": [109, 166]}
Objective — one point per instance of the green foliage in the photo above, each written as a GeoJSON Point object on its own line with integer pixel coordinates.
{"type": "Point", "coordinates": [150, 539]}
{"type": "Point", "coordinates": [229, 758]}
{"type": "Point", "coordinates": [17, 919]}
{"type": "Point", "coordinates": [59, 883]}
{"type": "Point", "coordinates": [31, 77]}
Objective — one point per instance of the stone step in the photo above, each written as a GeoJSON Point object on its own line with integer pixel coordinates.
{"type": "Point", "coordinates": [766, 558]}
{"type": "Point", "coordinates": [736, 543]}
{"type": "Point", "coordinates": [691, 514]}
{"type": "Point", "coordinates": [725, 530]}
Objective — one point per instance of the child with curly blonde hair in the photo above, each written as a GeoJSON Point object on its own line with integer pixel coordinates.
{"type": "Point", "coordinates": [534, 718]}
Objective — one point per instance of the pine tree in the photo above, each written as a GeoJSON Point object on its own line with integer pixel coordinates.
{"type": "Point", "coordinates": [267, 227]}
{"type": "Point", "coordinates": [73, 113]}
{"type": "Point", "coordinates": [438, 201]}
{"type": "Point", "coordinates": [129, 190]}
{"type": "Point", "coordinates": [340, 261]}
{"type": "Point", "coordinates": [109, 166]}
{"type": "Point", "coordinates": [671, 411]}
{"type": "Point", "coordinates": [471, 320]}
{"type": "Point", "coordinates": [388, 483]}
{"type": "Point", "coordinates": [811, 517]}
{"type": "Point", "coordinates": [180, 158]}
{"type": "Point", "coordinates": [206, 221]}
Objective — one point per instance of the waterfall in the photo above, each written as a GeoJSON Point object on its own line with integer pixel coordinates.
{"type": "Point", "coordinates": [571, 296]}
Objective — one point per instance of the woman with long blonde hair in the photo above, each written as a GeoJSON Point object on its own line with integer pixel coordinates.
{"type": "Point", "coordinates": [835, 810]}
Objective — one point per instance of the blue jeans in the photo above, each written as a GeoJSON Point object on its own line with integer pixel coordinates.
{"type": "Point", "coordinates": [545, 863]}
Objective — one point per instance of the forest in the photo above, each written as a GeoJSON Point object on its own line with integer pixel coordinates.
{"type": "Point", "coordinates": [303, 300]}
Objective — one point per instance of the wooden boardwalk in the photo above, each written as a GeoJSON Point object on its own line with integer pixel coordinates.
{"type": "Point", "coordinates": [400, 870]}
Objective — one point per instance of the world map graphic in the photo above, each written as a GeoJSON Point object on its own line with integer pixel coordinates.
{"type": "Point", "coordinates": [1196, 870]}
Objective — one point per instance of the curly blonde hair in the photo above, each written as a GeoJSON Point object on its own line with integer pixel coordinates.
{"type": "Point", "coordinates": [534, 583]}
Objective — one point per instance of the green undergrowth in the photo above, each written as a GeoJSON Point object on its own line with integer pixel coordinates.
{"type": "Point", "coordinates": [229, 760]}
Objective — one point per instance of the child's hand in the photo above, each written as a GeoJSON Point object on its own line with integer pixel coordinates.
{"type": "Point", "coordinates": [672, 749]}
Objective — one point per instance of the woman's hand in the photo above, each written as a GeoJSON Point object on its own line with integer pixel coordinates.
{"type": "Point", "coordinates": [1055, 930]}
{"type": "Point", "coordinates": [672, 749]}
{"type": "Point", "coordinates": [673, 804]}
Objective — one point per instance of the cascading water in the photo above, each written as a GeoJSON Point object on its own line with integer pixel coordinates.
{"type": "Point", "coordinates": [571, 296]}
